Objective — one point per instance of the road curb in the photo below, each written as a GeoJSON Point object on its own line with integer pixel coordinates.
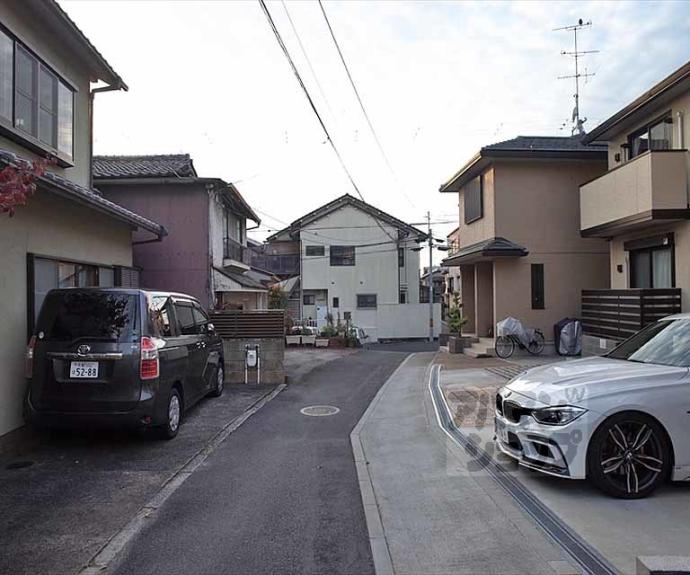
{"type": "Point", "coordinates": [383, 564]}
{"type": "Point", "coordinates": [108, 555]}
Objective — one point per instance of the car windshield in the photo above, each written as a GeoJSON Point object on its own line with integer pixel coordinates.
{"type": "Point", "coordinates": [71, 316]}
{"type": "Point", "coordinates": [664, 342]}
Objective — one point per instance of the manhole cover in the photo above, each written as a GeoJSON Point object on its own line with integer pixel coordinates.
{"type": "Point", "coordinates": [19, 465]}
{"type": "Point", "coordinates": [319, 410]}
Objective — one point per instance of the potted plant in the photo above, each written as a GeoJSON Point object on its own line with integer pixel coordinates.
{"type": "Point", "coordinates": [308, 336]}
{"type": "Point", "coordinates": [294, 336]}
{"type": "Point", "coordinates": [456, 320]}
{"type": "Point", "coordinates": [323, 339]}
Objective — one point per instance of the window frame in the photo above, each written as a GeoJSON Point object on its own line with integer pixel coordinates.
{"type": "Point", "coordinates": [650, 250]}
{"type": "Point", "coordinates": [537, 286]}
{"type": "Point", "coordinates": [647, 129]}
{"type": "Point", "coordinates": [480, 191]}
{"type": "Point", "coordinates": [308, 295]}
{"type": "Point", "coordinates": [336, 302]}
{"type": "Point", "coordinates": [25, 138]}
{"type": "Point", "coordinates": [180, 303]}
{"type": "Point", "coordinates": [339, 260]}
{"type": "Point", "coordinates": [367, 295]}
{"type": "Point", "coordinates": [320, 249]}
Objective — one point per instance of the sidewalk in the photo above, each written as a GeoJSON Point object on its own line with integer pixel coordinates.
{"type": "Point", "coordinates": [440, 515]}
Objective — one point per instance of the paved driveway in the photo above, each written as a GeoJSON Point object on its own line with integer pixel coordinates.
{"type": "Point", "coordinates": [620, 530]}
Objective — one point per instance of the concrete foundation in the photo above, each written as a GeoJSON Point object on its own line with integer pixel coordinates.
{"type": "Point", "coordinates": [271, 357]}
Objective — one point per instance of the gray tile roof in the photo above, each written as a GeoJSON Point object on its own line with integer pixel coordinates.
{"type": "Point", "coordinates": [243, 279]}
{"type": "Point", "coordinates": [544, 143]}
{"type": "Point", "coordinates": [154, 166]}
{"type": "Point", "coordinates": [92, 198]}
{"type": "Point", "coordinates": [493, 247]}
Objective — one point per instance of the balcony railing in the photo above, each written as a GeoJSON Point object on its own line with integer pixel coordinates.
{"type": "Point", "coordinates": [279, 264]}
{"type": "Point", "coordinates": [619, 313]}
{"type": "Point", "coordinates": [651, 186]}
{"type": "Point", "coordinates": [233, 250]}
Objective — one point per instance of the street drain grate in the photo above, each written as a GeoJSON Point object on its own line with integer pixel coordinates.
{"type": "Point", "coordinates": [319, 410]}
{"type": "Point", "coordinates": [19, 465]}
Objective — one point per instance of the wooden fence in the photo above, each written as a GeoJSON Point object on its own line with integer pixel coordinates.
{"type": "Point", "coordinates": [234, 324]}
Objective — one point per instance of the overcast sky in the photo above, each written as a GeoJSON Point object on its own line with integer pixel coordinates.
{"type": "Point", "coordinates": [439, 80]}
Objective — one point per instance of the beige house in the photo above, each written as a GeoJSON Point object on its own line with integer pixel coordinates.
{"type": "Point", "coordinates": [641, 205]}
{"type": "Point", "coordinates": [519, 249]}
{"type": "Point", "coordinates": [452, 277]}
{"type": "Point", "coordinates": [67, 234]}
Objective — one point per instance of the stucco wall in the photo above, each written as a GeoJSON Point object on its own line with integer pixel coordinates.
{"type": "Point", "coordinates": [376, 270]}
{"type": "Point", "coordinates": [485, 227]}
{"type": "Point", "coordinates": [48, 226]}
{"type": "Point", "coordinates": [54, 51]}
{"type": "Point", "coordinates": [180, 262]}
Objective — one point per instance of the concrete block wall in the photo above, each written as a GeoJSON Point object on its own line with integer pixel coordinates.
{"type": "Point", "coordinates": [271, 354]}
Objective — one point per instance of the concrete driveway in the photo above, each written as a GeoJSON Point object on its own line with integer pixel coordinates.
{"type": "Point", "coordinates": [619, 530]}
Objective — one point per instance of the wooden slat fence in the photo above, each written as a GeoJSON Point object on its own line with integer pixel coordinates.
{"type": "Point", "coordinates": [233, 324]}
{"type": "Point", "coordinates": [618, 314]}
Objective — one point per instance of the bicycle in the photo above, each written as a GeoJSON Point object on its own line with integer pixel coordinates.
{"type": "Point", "coordinates": [505, 344]}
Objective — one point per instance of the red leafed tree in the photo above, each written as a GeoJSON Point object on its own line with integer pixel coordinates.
{"type": "Point", "coordinates": [18, 182]}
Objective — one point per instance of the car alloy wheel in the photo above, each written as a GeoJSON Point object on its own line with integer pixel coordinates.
{"type": "Point", "coordinates": [630, 457]}
{"type": "Point", "coordinates": [172, 424]}
{"type": "Point", "coordinates": [220, 382]}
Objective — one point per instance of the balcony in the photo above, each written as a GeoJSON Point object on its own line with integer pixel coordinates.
{"type": "Point", "coordinates": [235, 255]}
{"type": "Point", "coordinates": [649, 188]}
{"type": "Point", "coordinates": [619, 313]}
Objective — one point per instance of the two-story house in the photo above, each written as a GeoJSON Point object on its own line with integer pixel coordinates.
{"type": "Point", "coordinates": [360, 264]}
{"type": "Point", "coordinates": [520, 251]}
{"type": "Point", "coordinates": [642, 206]}
{"type": "Point", "coordinates": [68, 234]}
{"type": "Point", "coordinates": [206, 253]}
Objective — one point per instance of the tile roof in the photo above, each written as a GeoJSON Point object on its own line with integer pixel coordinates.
{"type": "Point", "coordinates": [544, 143]}
{"type": "Point", "coordinates": [243, 279]}
{"type": "Point", "coordinates": [153, 166]}
{"type": "Point", "coordinates": [493, 247]}
{"type": "Point", "coordinates": [89, 197]}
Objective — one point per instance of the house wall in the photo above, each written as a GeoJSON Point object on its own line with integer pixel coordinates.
{"type": "Point", "coordinates": [50, 47]}
{"type": "Point", "coordinates": [485, 227]}
{"type": "Point", "coordinates": [54, 227]}
{"type": "Point", "coordinates": [180, 262]}
{"type": "Point", "coordinates": [376, 270]}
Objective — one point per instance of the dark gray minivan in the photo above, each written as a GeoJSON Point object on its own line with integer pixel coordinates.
{"type": "Point", "coordinates": [124, 357]}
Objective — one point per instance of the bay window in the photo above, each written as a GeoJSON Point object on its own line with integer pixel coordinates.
{"type": "Point", "coordinates": [34, 100]}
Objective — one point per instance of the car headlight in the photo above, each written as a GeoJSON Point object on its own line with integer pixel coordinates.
{"type": "Point", "coordinates": [560, 415]}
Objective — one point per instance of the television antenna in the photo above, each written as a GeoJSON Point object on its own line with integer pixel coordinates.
{"type": "Point", "coordinates": [578, 123]}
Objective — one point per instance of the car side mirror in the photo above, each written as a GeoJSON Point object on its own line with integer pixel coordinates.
{"type": "Point", "coordinates": [210, 328]}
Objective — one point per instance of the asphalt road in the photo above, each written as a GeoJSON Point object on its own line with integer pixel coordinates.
{"type": "Point", "coordinates": [281, 494]}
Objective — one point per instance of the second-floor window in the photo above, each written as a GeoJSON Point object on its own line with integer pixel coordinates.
{"type": "Point", "coordinates": [342, 255]}
{"type": "Point", "coordinates": [474, 200]}
{"type": "Point", "coordinates": [315, 251]}
{"type": "Point", "coordinates": [33, 99]}
{"type": "Point", "coordinates": [655, 136]}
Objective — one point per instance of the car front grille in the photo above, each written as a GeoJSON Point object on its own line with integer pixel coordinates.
{"type": "Point", "coordinates": [513, 412]}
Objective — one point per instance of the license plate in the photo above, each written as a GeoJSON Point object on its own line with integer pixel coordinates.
{"type": "Point", "coordinates": [501, 433]}
{"type": "Point", "coordinates": [83, 370]}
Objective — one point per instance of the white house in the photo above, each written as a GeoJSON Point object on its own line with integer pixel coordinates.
{"type": "Point", "coordinates": [358, 263]}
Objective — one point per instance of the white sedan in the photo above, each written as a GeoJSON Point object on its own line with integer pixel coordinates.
{"type": "Point", "coordinates": [621, 421]}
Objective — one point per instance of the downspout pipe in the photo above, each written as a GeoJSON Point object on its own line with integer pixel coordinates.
{"type": "Point", "coordinates": [681, 146]}
{"type": "Point", "coordinates": [92, 94]}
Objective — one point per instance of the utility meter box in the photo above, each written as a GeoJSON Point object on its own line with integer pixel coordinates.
{"type": "Point", "coordinates": [252, 356]}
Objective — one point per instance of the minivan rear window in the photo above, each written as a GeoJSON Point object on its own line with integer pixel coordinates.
{"type": "Point", "coordinates": [105, 316]}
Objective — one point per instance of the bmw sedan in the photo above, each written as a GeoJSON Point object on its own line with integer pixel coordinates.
{"type": "Point", "coordinates": [621, 421]}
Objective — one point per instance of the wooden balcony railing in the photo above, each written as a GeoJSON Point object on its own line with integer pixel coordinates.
{"type": "Point", "coordinates": [619, 313]}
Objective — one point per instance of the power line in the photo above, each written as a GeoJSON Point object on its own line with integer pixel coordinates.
{"type": "Point", "coordinates": [306, 57]}
{"type": "Point", "coordinates": [361, 104]}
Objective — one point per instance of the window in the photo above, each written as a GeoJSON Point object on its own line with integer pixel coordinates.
{"type": "Point", "coordinates": [315, 250]}
{"type": "Point", "coordinates": [402, 296]}
{"type": "Point", "coordinates": [185, 318]}
{"type": "Point", "coordinates": [336, 302]}
{"type": "Point", "coordinates": [308, 299]}
{"type": "Point", "coordinates": [366, 301]}
{"type": "Point", "coordinates": [342, 255]}
{"type": "Point", "coordinates": [537, 286]}
{"type": "Point", "coordinates": [161, 313]}
{"type": "Point", "coordinates": [655, 136]}
{"type": "Point", "coordinates": [451, 285]}
{"type": "Point", "coordinates": [34, 99]}
{"type": "Point", "coordinates": [401, 257]}
{"type": "Point", "coordinates": [347, 315]}
{"type": "Point", "coordinates": [652, 267]}
{"type": "Point", "coordinates": [474, 200]}
{"type": "Point", "coordinates": [200, 318]}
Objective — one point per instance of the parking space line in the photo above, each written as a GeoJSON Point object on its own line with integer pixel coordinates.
{"type": "Point", "coordinates": [105, 557]}
{"type": "Point", "coordinates": [572, 544]}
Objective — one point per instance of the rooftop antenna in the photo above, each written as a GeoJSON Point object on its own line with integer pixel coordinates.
{"type": "Point", "coordinates": [578, 123]}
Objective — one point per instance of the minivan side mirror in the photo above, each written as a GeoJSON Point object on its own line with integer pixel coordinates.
{"type": "Point", "coordinates": [210, 328]}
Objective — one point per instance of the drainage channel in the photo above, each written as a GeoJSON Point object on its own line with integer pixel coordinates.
{"type": "Point", "coordinates": [581, 552]}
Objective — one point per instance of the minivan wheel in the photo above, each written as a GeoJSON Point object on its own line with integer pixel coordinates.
{"type": "Point", "coordinates": [174, 415]}
{"type": "Point", "coordinates": [629, 456]}
{"type": "Point", "coordinates": [220, 381]}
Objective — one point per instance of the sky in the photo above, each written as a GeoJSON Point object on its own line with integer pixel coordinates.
{"type": "Point", "coordinates": [438, 80]}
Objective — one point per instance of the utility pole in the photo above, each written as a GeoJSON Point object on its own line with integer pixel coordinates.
{"type": "Point", "coordinates": [577, 122]}
{"type": "Point", "coordinates": [431, 277]}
